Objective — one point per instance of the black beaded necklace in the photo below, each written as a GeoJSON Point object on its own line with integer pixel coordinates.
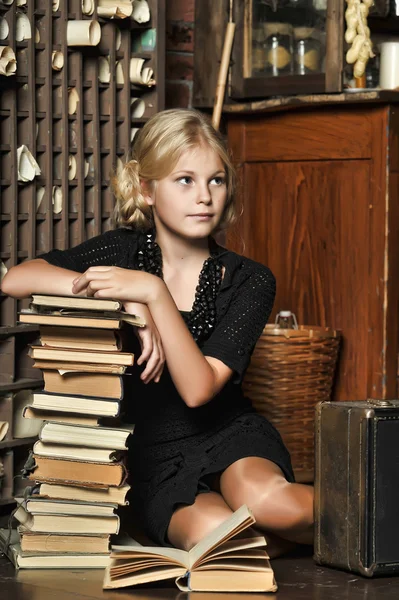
{"type": "Point", "coordinates": [201, 319]}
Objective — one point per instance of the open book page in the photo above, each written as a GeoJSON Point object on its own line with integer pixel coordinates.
{"type": "Point", "coordinates": [233, 548]}
{"type": "Point", "coordinates": [158, 573]}
{"type": "Point", "coordinates": [241, 519]}
{"type": "Point", "coordinates": [133, 554]}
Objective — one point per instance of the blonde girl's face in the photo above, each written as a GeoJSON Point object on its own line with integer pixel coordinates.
{"type": "Point", "coordinates": [189, 202]}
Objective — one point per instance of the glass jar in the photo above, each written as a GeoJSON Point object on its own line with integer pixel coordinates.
{"type": "Point", "coordinates": [308, 50]}
{"type": "Point", "coordinates": [258, 49]}
{"type": "Point", "coordinates": [278, 49]}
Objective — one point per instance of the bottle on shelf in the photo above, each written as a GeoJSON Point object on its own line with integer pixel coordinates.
{"type": "Point", "coordinates": [286, 319]}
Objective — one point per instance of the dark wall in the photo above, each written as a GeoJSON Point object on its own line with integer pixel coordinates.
{"type": "Point", "coordinates": [179, 52]}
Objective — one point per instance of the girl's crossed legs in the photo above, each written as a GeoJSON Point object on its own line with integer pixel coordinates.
{"type": "Point", "coordinates": [283, 510]}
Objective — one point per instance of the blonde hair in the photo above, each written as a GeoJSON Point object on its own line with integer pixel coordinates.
{"type": "Point", "coordinates": [157, 149]}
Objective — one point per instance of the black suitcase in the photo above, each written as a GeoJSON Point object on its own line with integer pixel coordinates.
{"type": "Point", "coordinates": [357, 486]}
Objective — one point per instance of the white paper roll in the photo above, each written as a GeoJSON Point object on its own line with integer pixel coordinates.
{"type": "Point", "coordinates": [137, 108]}
{"type": "Point", "coordinates": [73, 99]}
{"type": "Point", "coordinates": [23, 30]}
{"type": "Point", "coordinates": [3, 270]}
{"type": "Point", "coordinates": [4, 425]}
{"type": "Point", "coordinates": [23, 428]}
{"type": "Point", "coordinates": [133, 133]}
{"type": "Point", "coordinates": [57, 199]}
{"type": "Point", "coordinates": [87, 168]}
{"type": "Point", "coordinates": [72, 167]}
{"type": "Point", "coordinates": [389, 66]}
{"type": "Point", "coordinates": [4, 28]}
{"type": "Point", "coordinates": [40, 191]}
{"type": "Point", "coordinates": [7, 52]}
{"type": "Point", "coordinates": [139, 74]}
{"type": "Point", "coordinates": [119, 76]}
{"type": "Point", "coordinates": [141, 11]}
{"type": "Point", "coordinates": [118, 38]}
{"type": "Point", "coordinates": [88, 7]}
{"type": "Point", "coordinates": [8, 66]}
{"type": "Point", "coordinates": [104, 70]}
{"type": "Point", "coordinates": [114, 9]}
{"type": "Point", "coordinates": [83, 33]}
{"type": "Point", "coordinates": [27, 165]}
{"type": "Point", "coordinates": [57, 60]}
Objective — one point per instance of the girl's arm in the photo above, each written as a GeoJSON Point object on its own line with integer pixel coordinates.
{"type": "Point", "coordinates": [197, 379]}
{"type": "Point", "coordinates": [38, 277]}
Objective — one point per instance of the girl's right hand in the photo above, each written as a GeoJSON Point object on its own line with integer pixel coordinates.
{"type": "Point", "coordinates": [150, 342]}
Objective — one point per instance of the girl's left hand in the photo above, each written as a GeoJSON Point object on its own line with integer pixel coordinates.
{"type": "Point", "coordinates": [126, 285]}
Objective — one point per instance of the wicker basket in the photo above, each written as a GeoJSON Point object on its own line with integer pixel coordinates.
{"type": "Point", "coordinates": [291, 370]}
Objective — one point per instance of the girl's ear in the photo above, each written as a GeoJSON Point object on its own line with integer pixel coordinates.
{"type": "Point", "coordinates": [147, 192]}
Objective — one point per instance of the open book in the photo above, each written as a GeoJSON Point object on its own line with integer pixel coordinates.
{"type": "Point", "coordinates": [220, 562]}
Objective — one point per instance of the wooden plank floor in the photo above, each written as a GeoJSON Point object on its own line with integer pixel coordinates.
{"type": "Point", "coordinates": [298, 579]}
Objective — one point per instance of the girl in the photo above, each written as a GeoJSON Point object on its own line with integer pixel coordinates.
{"type": "Point", "coordinates": [199, 451]}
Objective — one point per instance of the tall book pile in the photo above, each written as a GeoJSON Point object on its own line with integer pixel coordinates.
{"type": "Point", "coordinates": [77, 466]}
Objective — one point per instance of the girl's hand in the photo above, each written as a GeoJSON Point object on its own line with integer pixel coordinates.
{"type": "Point", "coordinates": [150, 342]}
{"type": "Point", "coordinates": [119, 284]}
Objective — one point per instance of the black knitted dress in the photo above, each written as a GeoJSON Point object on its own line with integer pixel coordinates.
{"type": "Point", "coordinates": [174, 448]}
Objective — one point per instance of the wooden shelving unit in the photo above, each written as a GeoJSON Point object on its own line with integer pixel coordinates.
{"type": "Point", "coordinates": [59, 208]}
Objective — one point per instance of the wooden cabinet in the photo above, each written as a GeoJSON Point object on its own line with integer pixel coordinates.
{"type": "Point", "coordinates": [320, 189]}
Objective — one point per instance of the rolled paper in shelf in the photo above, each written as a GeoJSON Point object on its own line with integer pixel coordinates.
{"type": "Point", "coordinates": [73, 99]}
{"type": "Point", "coordinates": [37, 35]}
{"type": "Point", "coordinates": [8, 2]}
{"type": "Point", "coordinates": [40, 191]}
{"type": "Point", "coordinates": [23, 30]}
{"type": "Point", "coordinates": [118, 38]}
{"type": "Point", "coordinates": [87, 168]}
{"type": "Point", "coordinates": [83, 33]}
{"type": "Point", "coordinates": [8, 64]}
{"type": "Point", "coordinates": [137, 108]}
{"type": "Point", "coordinates": [7, 52]}
{"type": "Point", "coordinates": [133, 133]}
{"type": "Point", "coordinates": [88, 7]}
{"type": "Point", "coordinates": [3, 429]}
{"type": "Point", "coordinates": [21, 427]}
{"type": "Point", "coordinates": [119, 76]}
{"type": "Point", "coordinates": [114, 9]}
{"type": "Point", "coordinates": [20, 2]}
{"type": "Point", "coordinates": [3, 270]}
{"type": "Point", "coordinates": [72, 167]}
{"type": "Point", "coordinates": [27, 165]}
{"type": "Point", "coordinates": [141, 11]}
{"type": "Point", "coordinates": [139, 74]}
{"type": "Point", "coordinates": [104, 70]}
{"type": "Point", "coordinates": [57, 199]}
{"type": "Point", "coordinates": [57, 60]}
{"type": "Point", "coordinates": [55, 5]}
{"type": "Point", "coordinates": [4, 28]}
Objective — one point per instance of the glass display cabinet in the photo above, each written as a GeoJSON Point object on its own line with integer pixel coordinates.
{"type": "Point", "coordinates": [287, 47]}
{"type": "Point", "coordinates": [284, 47]}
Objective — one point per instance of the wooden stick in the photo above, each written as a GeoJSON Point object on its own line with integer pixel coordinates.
{"type": "Point", "coordinates": [222, 76]}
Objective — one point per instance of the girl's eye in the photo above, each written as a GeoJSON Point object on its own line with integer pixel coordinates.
{"type": "Point", "coordinates": [186, 180]}
{"type": "Point", "coordinates": [219, 180]}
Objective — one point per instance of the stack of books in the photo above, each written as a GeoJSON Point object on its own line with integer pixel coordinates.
{"type": "Point", "coordinates": [78, 463]}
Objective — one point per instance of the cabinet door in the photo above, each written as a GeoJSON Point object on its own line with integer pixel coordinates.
{"type": "Point", "coordinates": [309, 222]}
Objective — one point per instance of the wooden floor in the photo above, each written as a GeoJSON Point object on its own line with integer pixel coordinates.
{"type": "Point", "coordinates": [298, 578]}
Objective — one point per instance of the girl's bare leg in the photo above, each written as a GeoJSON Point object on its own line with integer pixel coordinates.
{"type": "Point", "coordinates": [189, 524]}
{"type": "Point", "coordinates": [280, 508]}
